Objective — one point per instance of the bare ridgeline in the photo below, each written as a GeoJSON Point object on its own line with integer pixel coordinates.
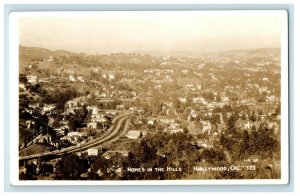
{"type": "Point", "coordinates": [135, 116]}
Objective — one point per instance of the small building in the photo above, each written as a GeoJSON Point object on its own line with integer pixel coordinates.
{"type": "Point", "coordinates": [72, 79]}
{"type": "Point", "coordinates": [178, 130]}
{"type": "Point", "coordinates": [22, 86]}
{"type": "Point", "coordinates": [74, 133]}
{"type": "Point", "coordinates": [150, 122]}
{"type": "Point", "coordinates": [92, 125]}
{"type": "Point", "coordinates": [206, 126]}
{"type": "Point", "coordinates": [48, 107]}
{"type": "Point", "coordinates": [92, 152]}
{"type": "Point", "coordinates": [80, 78]}
{"type": "Point", "coordinates": [45, 138]}
{"type": "Point", "coordinates": [29, 123]}
{"type": "Point", "coordinates": [31, 79]}
{"type": "Point", "coordinates": [182, 99]}
{"type": "Point", "coordinates": [205, 144]}
{"type": "Point", "coordinates": [120, 107]}
{"type": "Point", "coordinates": [174, 126]}
{"type": "Point", "coordinates": [134, 134]}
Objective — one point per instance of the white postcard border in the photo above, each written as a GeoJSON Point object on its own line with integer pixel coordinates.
{"type": "Point", "coordinates": [14, 99]}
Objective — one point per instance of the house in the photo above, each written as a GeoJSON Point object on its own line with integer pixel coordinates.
{"type": "Point", "coordinates": [74, 133]}
{"type": "Point", "coordinates": [177, 130]}
{"type": "Point", "coordinates": [157, 86]}
{"type": "Point", "coordinates": [272, 99]}
{"type": "Point", "coordinates": [120, 107]}
{"type": "Point", "coordinates": [124, 153]}
{"type": "Point", "coordinates": [29, 123]}
{"type": "Point", "coordinates": [229, 88]}
{"type": "Point", "coordinates": [225, 99]}
{"type": "Point", "coordinates": [193, 113]}
{"type": "Point", "coordinates": [71, 104]}
{"type": "Point", "coordinates": [184, 71]}
{"type": "Point", "coordinates": [48, 107]}
{"type": "Point", "coordinates": [45, 138]}
{"type": "Point", "coordinates": [22, 86]}
{"type": "Point", "coordinates": [72, 78]}
{"type": "Point", "coordinates": [264, 89]}
{"type": "Point", "coordinates": [109, 154]}
{"type": "Point", "coordinates": [247, 125]}
{"type": "Point", "coordinates": [111, 76]}
{"type": "Point", "coordinates": [249, 102]}
{"type": "Point", "coordinates": [166, 120]}
{"type": "Point", "coordinates": [174, 126]}
{"type": "Point", "coordinates": [80, 78]}
{"type": "Point", "coordinates": [132, 109]}
{"type": "Point", "coordinates": [182, 99]}
{"type": "Point", "coordinates": [93, 109]}
{"type": "Point", "coordinates": [204, 143]}
{"type": "Point", "coordinates": [206, 126]}
{"type": "Point", "coordinates": [50, 58]}
{"type": "Point", "coordinates": [64, 122]}
{"type": "Point", "coordinates": [199, 86]}
{"type": "Point", "coordinates": [92, 125]}
{"type": "Point", "coordinates": [33, 105]}
{"type": "Point", "coordinates": [265, 79]}
{"type": "Point", "coordinates": [61, 130]}
{"type": "Point", "coordinates": [150, 122]}
{"type": "Point", "coordinates": [92, 152]}
{"type": "Point", "coordinates": [252, 159]}
{"type": "Point", "coordinates": [189, 86]}
{"type": "Point", "coordinates": [199, 100]}
{"type": "Point", "coordinates": [95, 70]}
{"type": "Point", "coordinates": [98, 118]}
{"type": "Point", "coordinates": [134, 134]}
{"type": "Point", "coordinates": [140, 111]}
{"type": "Point", "coordinates": [31, 79]}
{"type": "Point", "coordinates": [72, 137]}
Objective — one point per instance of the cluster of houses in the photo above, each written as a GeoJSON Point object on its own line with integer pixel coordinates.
{"type": "Point", "coordinates": [97, 118]}
{"type": "Point", "coordinates": [76, 78]}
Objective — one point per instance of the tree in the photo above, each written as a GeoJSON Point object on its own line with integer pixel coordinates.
{"type": "Point", "coordinates": [215, 118]}
{"type": "Point", "coordinates": [246, 143]}
{"type": "Point", "coordinates": [253, 117]}
{"type": "Point", "coordinates": [69, 167]}
{"type": "Point", "coordinates": [231, 123]}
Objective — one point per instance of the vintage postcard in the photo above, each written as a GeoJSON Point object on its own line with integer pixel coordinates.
{"type": "Point", "coordinates": [149, 97]}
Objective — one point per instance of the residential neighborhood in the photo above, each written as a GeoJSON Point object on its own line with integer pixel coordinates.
{"type": "Point", "coordinates": [112, 112]}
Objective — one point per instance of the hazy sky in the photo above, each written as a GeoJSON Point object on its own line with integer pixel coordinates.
{"type": "Point", "coordinates": [115, 32]}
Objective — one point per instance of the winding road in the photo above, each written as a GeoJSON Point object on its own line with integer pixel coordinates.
{"type": "Point", "coordinates": [110, 135]}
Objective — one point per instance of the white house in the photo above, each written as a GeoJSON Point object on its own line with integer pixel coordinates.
{"type": "Point", "coordinates": [31, 79]}
{"type": "Point", "coordinates": [174, 126]}
{"type": "Point", "coordinates": [48, 107]}
{"type": "Point", "coordinates": [80, 78]}
{"type": "Point", "coordinates": [178, 130]}
{"type": "Point", "coordinates": [182, 99]}
{"type": "Point", "coordinates": [72, 78]}
{"type": "Point", "coordinates": [29, 123]}
{"type": "Point", "coordinates": [22, 86]}
{"type": "Point", "coordinates": [111, 76]}
{"type": "Point", "coordinates": [92, 152]}
{"type": "Point", "coordinates": [150, 122]}
{"type": "Point", "coordinates": [205, 144]}
{"type": "Point", "coordinates": [92, 125]}
{"type": "Point", "coordinates": [206, 126]}
{"type": "Point", "coordinates": [74, 133]}
{"type": "Point", "coordinates": [134, 134]}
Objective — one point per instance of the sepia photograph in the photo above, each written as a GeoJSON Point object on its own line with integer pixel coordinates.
{"type": "Point", "coordinates": [172, 97]}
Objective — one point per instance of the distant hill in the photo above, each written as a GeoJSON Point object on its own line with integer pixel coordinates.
{"type": "Point", "coordinates": [24, 50]}
{"type": "Point", "coordinates": [26, 54]}
{"type": "Point", "coordinates": [29, 54]}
